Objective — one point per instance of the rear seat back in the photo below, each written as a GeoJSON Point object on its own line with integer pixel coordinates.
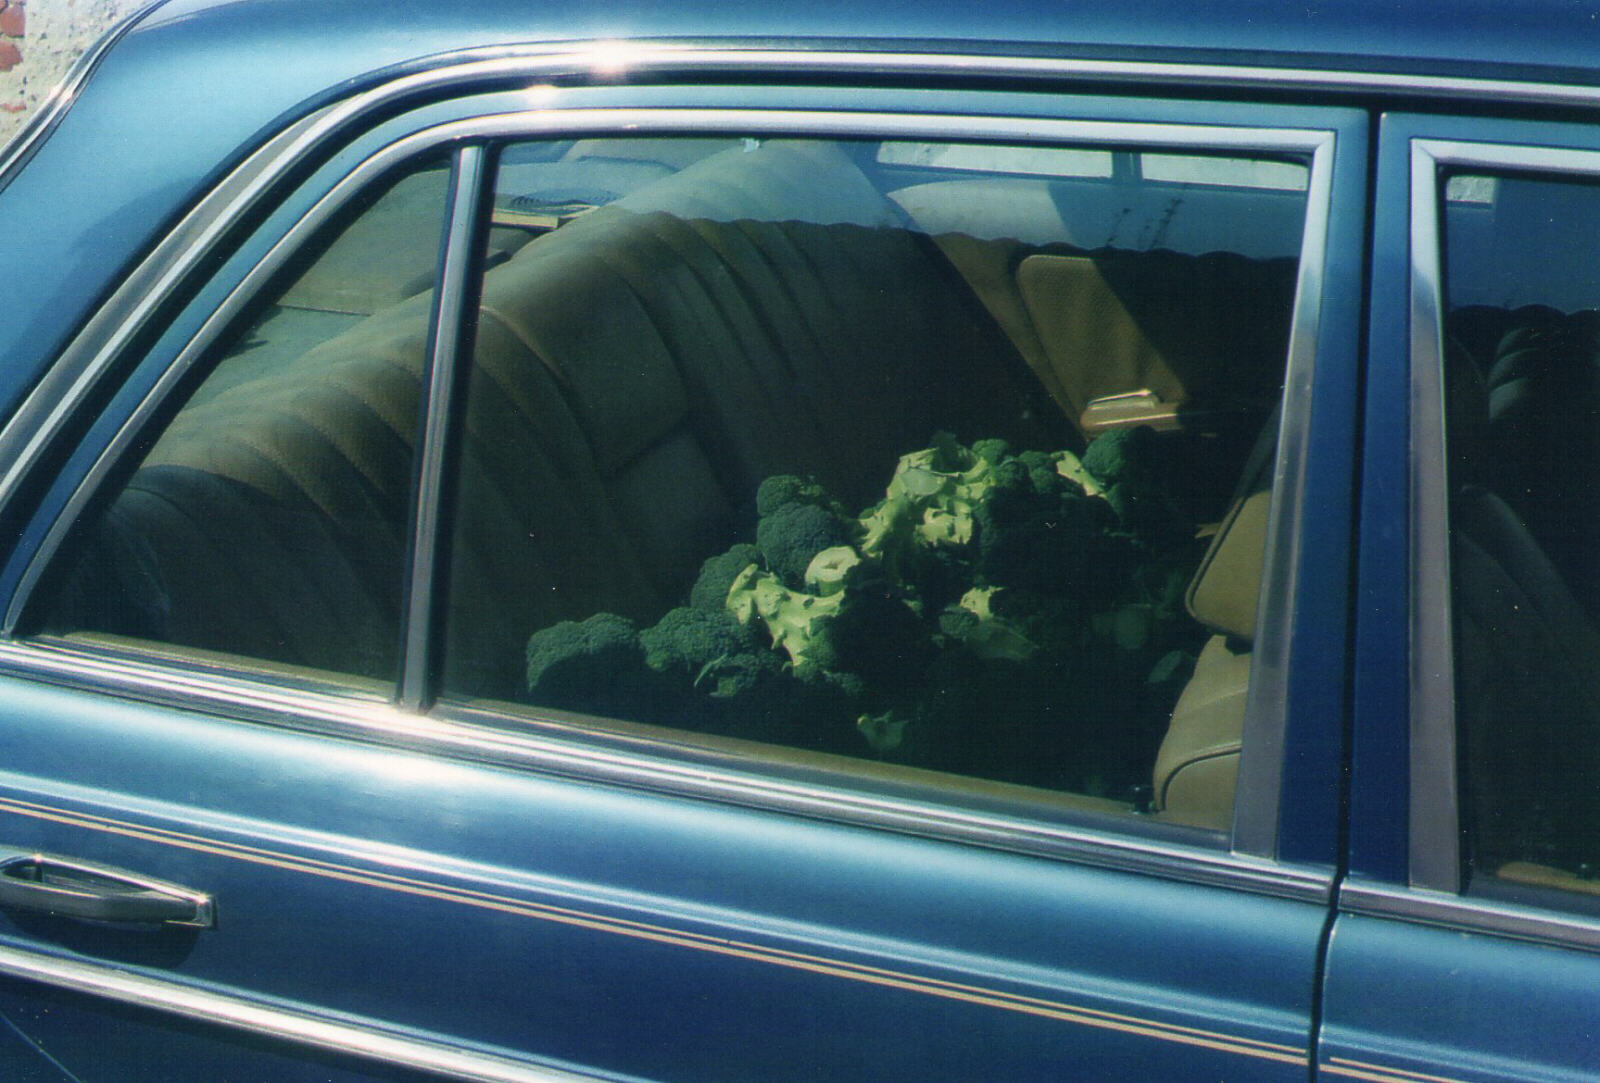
{"type": "Point", "coordinates": [637, 372]}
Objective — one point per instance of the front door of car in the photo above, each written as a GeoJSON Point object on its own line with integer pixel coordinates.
{"type": "Point", "coordinates": [703, 583]}
{"type": "Point", "coordinates": [1465, 944]}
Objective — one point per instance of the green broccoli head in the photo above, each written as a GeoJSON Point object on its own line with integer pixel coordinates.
{"type": "Point", "coordinates": [594, 665]}
{"type": "Point", "coordinates": [866, 629]}
{"type": "Point", "coordinates": [781, 489]}
{"type": "Point", "coordinates": [792, 535]}
{"type": "Point", "coordinates": [1135, 468]}
{"type": "Point", "coordinates": [685, 642]}
{"type": "Point", "coordinates": [1038, 531]}
{"type": "Point", "coordinates": [710, 591]}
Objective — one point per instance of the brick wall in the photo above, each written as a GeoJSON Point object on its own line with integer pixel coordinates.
{"type": "Point", "coordinates": [39, 41]}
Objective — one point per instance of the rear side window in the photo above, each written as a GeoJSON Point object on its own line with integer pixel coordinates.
{"type": "Point", "coordinates": [878, 451]}
{"type": "Point", "coordinates": [1522, 336]}
{"type": "Point", "coordinates": [266, 519]}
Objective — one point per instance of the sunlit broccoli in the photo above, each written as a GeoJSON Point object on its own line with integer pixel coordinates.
{"type": "Point", "coordinates": [865, 629]}
{"type": "Point", "coordinates": [791, 535]}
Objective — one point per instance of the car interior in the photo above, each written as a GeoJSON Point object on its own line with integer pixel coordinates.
{"type": "Point", "coordinates": [665, 323]}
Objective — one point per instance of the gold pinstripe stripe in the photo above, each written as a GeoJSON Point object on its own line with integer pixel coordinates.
{"type": "Point", "coordinates": [971, 994]}
{"type": "Point", "coordinates": [1377, 1073]}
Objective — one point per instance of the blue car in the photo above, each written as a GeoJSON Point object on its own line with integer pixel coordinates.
{"type": "Point", "coordinates": [756, 542]}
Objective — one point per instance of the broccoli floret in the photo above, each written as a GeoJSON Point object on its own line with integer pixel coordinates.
{"type": "Point", "coordinates": [1135, 469]}
{"type": "Point", "coordinates": [793, 534]}
{"type": "Point", "coordinates": [710, 591]}
{"type": "Point", "coordinates": [865, 629]}
{"type": "Point", "coordinates": [975, 625]}
{"type": "Point", "coordinates": [686, 641]}
{"type": "Point", "coordinates": [1038, 531]}
{"type": "Point", "coordinates": [781, 489]}
{"type": "Point", "coordinates": [594, 665]}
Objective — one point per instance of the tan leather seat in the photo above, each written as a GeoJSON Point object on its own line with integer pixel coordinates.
{"type": "Point", "coordinates": [1197, 766]}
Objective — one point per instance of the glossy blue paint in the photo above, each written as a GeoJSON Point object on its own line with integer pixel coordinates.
{"type": "Point", "coordinates": [639, 934]}
{"type": "Point", "coordinates": [1380, 685]}
{"type": "Point", "coordinates": [1309, 824]}
{"type": "Point", "coordinates": [1471, 1007]}
{"type": "Point", "coordinates": [649, 935]}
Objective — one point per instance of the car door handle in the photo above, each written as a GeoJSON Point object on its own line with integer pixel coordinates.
{"type": "Point", "coordinates": [66, 888]}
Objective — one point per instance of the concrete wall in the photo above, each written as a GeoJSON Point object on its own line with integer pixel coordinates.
{"type": "Point", "coordinates": [39, 40]}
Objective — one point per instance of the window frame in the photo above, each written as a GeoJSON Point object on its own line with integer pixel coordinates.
{"type": "Point", "coordinates": [568, 750]}
{"type": "Point", "coordinates": [1435, 889]}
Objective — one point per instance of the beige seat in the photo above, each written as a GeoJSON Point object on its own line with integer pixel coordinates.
{"type": "Point", "coordinates": [1197, 766]}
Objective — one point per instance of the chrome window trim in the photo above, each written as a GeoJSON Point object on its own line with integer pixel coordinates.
{"type": "Point", "coordinates": [439, 382]}
{"type": "Point", "coordinates": [458, 734]}
{"type": "Point", "coordinates": [1434, 852]}
{"type": "Point", "coordinates": [1260, 778]}
{"type": "Point", "coordinates": [1433, 848]}
{"type": "Point", "coordinates": [1453, 911]}
{"type": "Point", "coordinates": [343, 1035]}
{"type": "Point", "coordinates": [1262, 747]}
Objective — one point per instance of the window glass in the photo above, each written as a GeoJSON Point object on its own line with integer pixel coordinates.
{"type": "Point", "coordinates": [867, 453]}
{"type": "Point", "coordinates": [267, 517]}
{"type": "Point", "coordinates": [1522, 337]}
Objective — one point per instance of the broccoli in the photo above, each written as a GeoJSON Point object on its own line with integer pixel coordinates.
{"type": "Point", "coordinates": [1134, 468]}
{"type": "Point", "coordinates": [710, 591]}
{"type": "Point", "coordinates": [984, 617]}
{"type": "Point", "coordinates": [974, 624]}
{"type": "Point", "coordinates": [865, 629]}
{"type": "Point", "coordinates": [1038, 531]}
{"type": "Point", "coordinates": [687, 641]}
{"type": "Point", "coordinates": [781, 489]}
{"type": "Point", "coordinates": [594, 665]}
{"type": "Point", "coordinates": [792, 534]}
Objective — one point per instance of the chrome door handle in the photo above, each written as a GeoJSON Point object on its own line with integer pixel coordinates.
{"type": "Point", "coordinates": [61, 886]}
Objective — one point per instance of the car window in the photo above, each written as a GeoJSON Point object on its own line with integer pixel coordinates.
{"type": "Point", "coordinates": [859, 450]}
{"type": "Point", "coordinates": [1522, 375]}
{"type": "Point", "coordinates": [266, 519]}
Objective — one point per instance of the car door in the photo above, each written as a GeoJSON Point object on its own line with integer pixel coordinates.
{"type": "Point", "coordinates": [1464, 948]}
{"type": "Point", "coordinates": [345, 726]}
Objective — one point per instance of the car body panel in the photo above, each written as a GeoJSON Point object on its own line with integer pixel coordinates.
{"type": "Point", "coordinates": [636, 922]}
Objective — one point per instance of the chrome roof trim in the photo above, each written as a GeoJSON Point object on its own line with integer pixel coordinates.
{"type": "Point", "coordinates": [20, 440]}
{"type": "Point", "coordinates": [60, 97]}
{"type": "Point", "coordinates": [477, 736]}
{"type": "Point", "coordinates": [1451, 911]}
{"type": "Point", "coordinates": [343, 1036]}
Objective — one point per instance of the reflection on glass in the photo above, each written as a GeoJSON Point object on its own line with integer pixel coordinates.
{"type": "Point", "coordinates": [909, 453]}
{"type": "Point", "coordinates": [268, 520]}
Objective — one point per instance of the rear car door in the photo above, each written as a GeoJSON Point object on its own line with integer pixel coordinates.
{"type": "Point", "coordinates": [1473, 809]}
{"type": "Point", "coordinates": [411, 662]}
